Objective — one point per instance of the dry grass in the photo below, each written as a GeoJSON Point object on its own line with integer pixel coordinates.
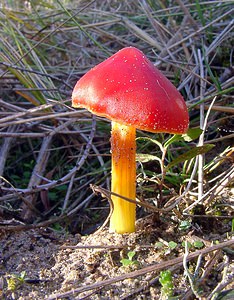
{"type": "Point", "coordinates": [51, 153]}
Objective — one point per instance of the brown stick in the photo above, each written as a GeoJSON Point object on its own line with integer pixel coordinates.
{"type": "Point", "coordinates": [227, 109]}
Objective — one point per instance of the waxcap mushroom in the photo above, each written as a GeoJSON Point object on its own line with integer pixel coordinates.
{"type": "Point", "coordinates": [130, 91]}
{"type": "Point", "coordinates": [127, 88]}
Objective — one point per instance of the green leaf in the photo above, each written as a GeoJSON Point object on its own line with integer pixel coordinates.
{"type": "Point", "coordinates": [190, 135]}
{"type": "Point", "coordinates": [131, 254]}
{"type": "Point", "coordinates": [129, 261]}
{"type": "Point", "coordinates": [142, 157]}
{"type": "Point", "coordinates": [174, 138]}
{"type": "Point", "coordinates": [184, 225]}
{"type": "Point", "coordinates": [159, 245]}
{"type": "Point", "coordinates": [189, 245]}
{"type": "Point", "coordinates": [22, 277]}
{"type": "Point", "coordinates": [172, 245]}
{"type": "Point", "coordinates": [165, 277]}
{"type": "Point", "coordinates": [190, 154]}
{"type": "Point", "coordinates": [198, 244]}
{"type": "Point", "coordinates": [225, 295]}
{"type": "Point", "coordinates": [126, 262]}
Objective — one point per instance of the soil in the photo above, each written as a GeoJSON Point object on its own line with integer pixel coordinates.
{"type": "Point", "coordinates": [57, 264]}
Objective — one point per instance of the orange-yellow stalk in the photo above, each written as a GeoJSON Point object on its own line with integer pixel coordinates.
{"type": "Point", "coordinates": [123, 148]}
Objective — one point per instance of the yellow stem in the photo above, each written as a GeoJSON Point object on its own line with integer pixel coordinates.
{"type": "Point", "coordinates": [123, 147]}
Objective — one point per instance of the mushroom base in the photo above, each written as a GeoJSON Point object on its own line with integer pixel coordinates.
{"type": "Point", "coordinates": [123, 148]}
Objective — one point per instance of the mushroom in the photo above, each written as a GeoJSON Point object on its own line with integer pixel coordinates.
{"type": "Point", "coordinates": [130, 91]}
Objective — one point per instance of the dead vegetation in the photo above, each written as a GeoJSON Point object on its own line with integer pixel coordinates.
{"type": "Point", "coordinates": [50, 153]}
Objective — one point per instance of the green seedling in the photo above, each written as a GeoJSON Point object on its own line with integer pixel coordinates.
{"type": "Point", "coordinates": [167, 246]}
{"type": "Point", "coordinates": [129, 261]}
{"type": "Point", "coordinates": [196, 244]}
{"type": "Point", "coordinates": [159, 245]}
{"type": "Point", "coordinates": [165, 279]}
{"type": "Point", "coordinates": [14, 281]}
{"type": "Point", "coordinates": [189, 245]}
{"type": "Point", "coordinates": [184, 225]}
{"type": "Point", "coordinates": [172, 245]}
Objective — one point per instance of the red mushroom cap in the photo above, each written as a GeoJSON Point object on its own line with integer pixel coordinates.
{"type": "Point", "coordinates": [127, 88]}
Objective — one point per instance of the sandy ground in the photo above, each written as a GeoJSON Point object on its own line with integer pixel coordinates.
{"type": "Point", "coordinates": [55, 263]}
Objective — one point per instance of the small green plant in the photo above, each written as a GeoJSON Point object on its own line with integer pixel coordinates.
{"type": "Point", "coordinates": [166, 247]}
{"type": "Point", "coordinates": [129, 261]}
{"type": "Point", "coordinates": [159, 245]}
{"type": "Point", "coordinates": [198, 244]}
{"type": "Point", "coordinates": [195, 244]}
{"type": "Point", "coordinates": [172, 245]}
{"type": "Point", "coordinates": [189, 245]}
{"type": "Point", "coordinates": [165, 279]}
{"type": "Point", "coordinates": [184, 225]}
{"type": "Point", "coordinates": [14, 281]}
